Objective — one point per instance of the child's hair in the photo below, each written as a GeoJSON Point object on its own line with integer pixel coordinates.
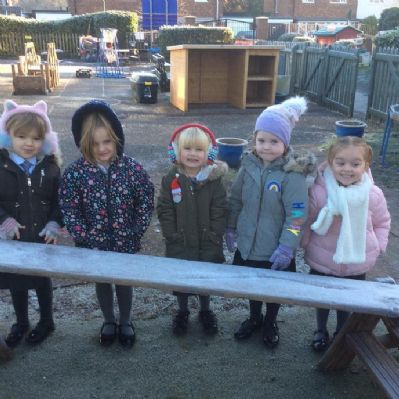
{"type": "Point", "coordinates": [90, 123]}
{"type": "Point", "coordinates": [25, 122]}
{"type": "Point", "coordinates": [347, 141]}
{"type": "Point", "coordinates": [193, 137]}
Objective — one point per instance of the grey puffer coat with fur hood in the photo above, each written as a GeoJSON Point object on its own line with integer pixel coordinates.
{"type": "Point", "coordinates": [193, 228]}
{"type": "Point", "coordinates": [268, 205]}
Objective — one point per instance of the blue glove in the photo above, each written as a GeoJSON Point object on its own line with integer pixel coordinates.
{"type": "Point", "coordinates": [281, 257]}
{"type": "Point", "coordinates": [231, 238]}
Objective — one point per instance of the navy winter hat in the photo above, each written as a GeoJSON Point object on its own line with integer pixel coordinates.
{"type": "Point", "coordinates": [101, 107]}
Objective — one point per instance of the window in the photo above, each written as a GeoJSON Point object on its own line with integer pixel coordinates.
{"type": "Point", "coordinates": [308, 1]}
{"type": "Point", "coordinates": [338, 1]}
{"type": "Point", "coordinates": [200, 1]}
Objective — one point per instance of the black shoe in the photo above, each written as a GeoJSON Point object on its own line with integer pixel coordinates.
{"type": "Point", "coordinates": [16, 334]}
{"type": "Point", "coordinates": [209, 321]}
{"type": "Point", "coordinates": [108, 339]}
{"type": "Point", "coordinates": [180, 322]}
{"type": "Point", "coordinates": [320, 340]}
{"type": "Point", "coordinates": [42, 330]}
{"type": "Point", "coordinates": [248, 327]}
{"type": "Point", "coordinates": [127, 340]}
{"type": "Point", "coordinates": [270, 333]}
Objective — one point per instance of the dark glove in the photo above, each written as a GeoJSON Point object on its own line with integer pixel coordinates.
{"type": "Point", "coordinates": [281, 257]}
{"type": "Point", "coordinates": [231, 238]}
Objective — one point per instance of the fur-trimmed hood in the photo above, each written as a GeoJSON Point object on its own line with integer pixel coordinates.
{"type": "Point", "coordinates": [210, 172]}
{"type": "Point", "coordinates": [303, 162]}
{"type": "Point", "coordinates": [11, 108]}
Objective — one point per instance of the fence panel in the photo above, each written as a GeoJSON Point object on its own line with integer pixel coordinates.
{"type": "Point", "coordinates": [313, 72]}
{"type": "Point", "coordinates": [12, 44]}
{"type": "Point", "coordinates": [384, 83]}
{"type": "Point", "coordinates": [340, 80]}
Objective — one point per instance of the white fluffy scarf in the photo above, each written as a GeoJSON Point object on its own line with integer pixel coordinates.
{"type": "Point", "coordinates": [352, 204]}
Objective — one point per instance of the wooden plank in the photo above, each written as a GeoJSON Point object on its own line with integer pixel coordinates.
{"type": "Point", "coordinates": [382, 366]}
{"type": "Point", "coordinates": [179, 79]}
{"type": "Point", "coordinates": [238, 71]}
{"type": "Point", "coordinates": [200, 277]}
{"type": "Point", "coordinates": [392, 325]}
{"type": "Point", "coordinates": [221, 47]}
{"type": "Point", "coordinates": [5, 351]}
{"type": "Point", "coordinates": [340, 354]}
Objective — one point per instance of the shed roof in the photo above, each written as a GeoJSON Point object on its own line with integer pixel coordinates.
{"type": "Point", "coordinates": [330, 32]}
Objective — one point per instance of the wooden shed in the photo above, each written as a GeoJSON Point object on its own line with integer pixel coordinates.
{"type": "Point", "coordinates": [331, 34]}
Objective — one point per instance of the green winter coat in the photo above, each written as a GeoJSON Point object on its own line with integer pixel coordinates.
{"type": "Point", "coordinates": [268, 205]}
{"type": "Point", "coordinates": [193, 228]}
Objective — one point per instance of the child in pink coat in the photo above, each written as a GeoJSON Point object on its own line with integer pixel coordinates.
{"type": "Point", "coordinates": [348, 223]}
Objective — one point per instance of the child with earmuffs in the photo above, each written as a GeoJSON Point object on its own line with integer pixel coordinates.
{"type": "Point", "coordinates": [192, 211]}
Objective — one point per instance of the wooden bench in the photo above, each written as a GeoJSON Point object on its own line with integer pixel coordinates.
{"type": "Point", "coordinates": [369, 301]}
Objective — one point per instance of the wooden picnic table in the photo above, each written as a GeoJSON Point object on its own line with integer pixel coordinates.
{"type": "Point", "coordinates": [368, 301]}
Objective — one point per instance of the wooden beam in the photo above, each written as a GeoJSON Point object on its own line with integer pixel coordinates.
{"type": "Point", "coordinates": [382, 366]}
{"type": "Point", "coordinates": [169, 274]}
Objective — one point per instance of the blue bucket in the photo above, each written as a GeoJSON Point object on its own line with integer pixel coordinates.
{"type": "Point", "coordinates": [350, 128]}
{"type": "Point", "coordinates": [230, 150]}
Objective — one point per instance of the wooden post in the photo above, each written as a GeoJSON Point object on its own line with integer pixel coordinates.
{"type": "Point", "coordinates": [262, 28]}
{"type": "Point", "coordinates": [5, 351]}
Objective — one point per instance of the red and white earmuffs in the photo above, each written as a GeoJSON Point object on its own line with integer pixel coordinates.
{"type": "Point", "coordinates": [212, 149]}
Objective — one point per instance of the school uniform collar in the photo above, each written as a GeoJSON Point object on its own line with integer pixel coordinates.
{"type": "Point", "coordinates": [19, 160]}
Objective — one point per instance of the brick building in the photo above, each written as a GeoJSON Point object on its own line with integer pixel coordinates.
{"type": "Point", "coordinates": [304, 16]}
{"type": "Point", "coordinates": [201, 9]}
{"type": "Point", "coordinates": [77, 7]}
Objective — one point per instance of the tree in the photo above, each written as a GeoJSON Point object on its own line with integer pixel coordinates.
{"type": "Point", "coordinates": [370, 25]}
{"type": "Point", "coordinates": [389, 18]}
{"type": "Point", "coordinates": [249, 7]}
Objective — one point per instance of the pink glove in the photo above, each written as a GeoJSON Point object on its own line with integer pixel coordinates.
{"type": "Point", "coordinates": [281, 257]}
{"type": "Point", "coordinates": [10, 229]}
{"type": "Point", "coordinates": [231, 238]}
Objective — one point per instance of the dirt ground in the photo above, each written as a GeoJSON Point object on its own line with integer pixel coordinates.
{"type": "Point", "coordinates": [71, 364]}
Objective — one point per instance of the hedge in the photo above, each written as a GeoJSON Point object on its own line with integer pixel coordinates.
{"type": "Point", "coordinates": [188, 34]}
{"type": "Point", "coordinates": [86, 24]}
{"type": "Point", "coordinates": [390, 39]}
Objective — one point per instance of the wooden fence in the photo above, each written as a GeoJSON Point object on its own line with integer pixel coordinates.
{"type": "Point", "coordinates": [384, 82]}
{"type": "Point", "coordinates": [326, 75]}
{"type": "Point", "coordinates": [12, 44]}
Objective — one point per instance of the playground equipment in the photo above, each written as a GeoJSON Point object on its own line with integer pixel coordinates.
{"type": "Point", "coordinates": [108, 59]}
{"type": "Point", "coordinates": [31, 76]}
{"type": "Point", "coordinates": [88, 48]}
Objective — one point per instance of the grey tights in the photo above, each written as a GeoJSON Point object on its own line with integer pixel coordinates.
{"type": "Point", "coordinates": [105, 297]}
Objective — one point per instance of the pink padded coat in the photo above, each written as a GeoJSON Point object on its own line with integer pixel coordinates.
{"type": "Point", "coordinates": [319, 250]}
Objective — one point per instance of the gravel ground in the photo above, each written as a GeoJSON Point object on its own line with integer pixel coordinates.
{"type": "Point", "coordinates": [71, 364]}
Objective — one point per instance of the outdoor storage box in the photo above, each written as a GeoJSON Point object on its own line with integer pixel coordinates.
{"type": "Point", "coordinates": [145, 87]}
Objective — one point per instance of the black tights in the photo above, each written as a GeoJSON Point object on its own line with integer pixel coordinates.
{"type": "Point", "coordinates": [255, 307]}
{"type": "Point", "coordinates": [45, 298]}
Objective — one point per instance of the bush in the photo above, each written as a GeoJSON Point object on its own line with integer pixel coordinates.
{"type": "Point", "coordinates": [390, 39]}
{"type": "Point", "coordinates": [287, 37]}
{"type": "Point", "coordinates": [125, 22]}
{"type": "Point", "coordinates": [187, 34]}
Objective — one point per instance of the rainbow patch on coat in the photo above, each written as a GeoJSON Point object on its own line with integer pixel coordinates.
{"type": "Point", "coordinates": [273, 186]}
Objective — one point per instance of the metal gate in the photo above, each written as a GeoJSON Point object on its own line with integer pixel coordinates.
{"type": "Point", "coordinates": [236, 26]}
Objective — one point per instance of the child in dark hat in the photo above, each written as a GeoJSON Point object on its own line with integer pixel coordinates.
{"type": "Point", "coordinates": [29, 210]}
{"type": "Point", "coordinates": [268, 207]}
{"type": "Point", "coordinates": [107, 201]}
{"type": "Point", "coordinates": [192, 210]}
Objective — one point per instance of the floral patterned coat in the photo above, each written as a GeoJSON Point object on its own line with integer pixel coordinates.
{"type": "Point", "coordinates": [107, 211]}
